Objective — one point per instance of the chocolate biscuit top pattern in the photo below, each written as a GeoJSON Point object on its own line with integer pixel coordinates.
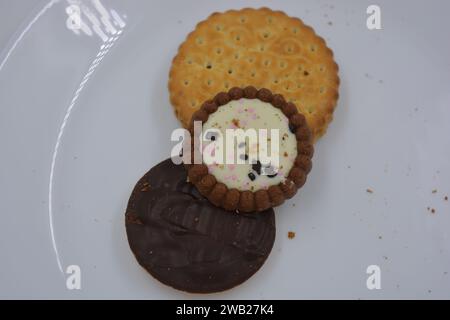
{"type": "Point", "coordinates": [186, 242]}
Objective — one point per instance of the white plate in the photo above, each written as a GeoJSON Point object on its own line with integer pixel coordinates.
{"type": "Point", "coordinates": [63, 199]}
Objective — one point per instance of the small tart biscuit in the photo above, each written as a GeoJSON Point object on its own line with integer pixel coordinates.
{"type": "Point", "coordinates": [255, 152]}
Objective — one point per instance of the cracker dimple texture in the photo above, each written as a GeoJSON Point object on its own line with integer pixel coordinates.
{"type": "Point", "coordinates": [258, 47]}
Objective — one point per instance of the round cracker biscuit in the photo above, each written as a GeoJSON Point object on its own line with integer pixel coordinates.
{"type": "Point", "coordinates": [258, 47]}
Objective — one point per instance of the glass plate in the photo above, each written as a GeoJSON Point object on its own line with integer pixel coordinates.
{"type": "Point", "coordinates": [84, 113]}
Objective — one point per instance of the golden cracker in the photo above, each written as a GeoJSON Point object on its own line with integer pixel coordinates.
{"type": "Point", "coordinates": [258, 47]}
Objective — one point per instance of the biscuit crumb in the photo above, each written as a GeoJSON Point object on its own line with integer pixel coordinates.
{"type": "Point", "coordinates": [291, 235]}
{"type": "Point", "coordinates": [446, 198]}
{"type": "Point", "coordinates": [434, 191]}
{"type": "Point", "coordinates": [369, 190]}
{"type": "Point", "coordinates": [433, 210]}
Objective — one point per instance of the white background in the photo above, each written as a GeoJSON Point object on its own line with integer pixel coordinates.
{"type": "Point", "coordinates": [390, 133]}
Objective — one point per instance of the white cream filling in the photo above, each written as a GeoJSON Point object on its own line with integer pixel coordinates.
{"type": "Point", "coordinates": [250, 114]}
